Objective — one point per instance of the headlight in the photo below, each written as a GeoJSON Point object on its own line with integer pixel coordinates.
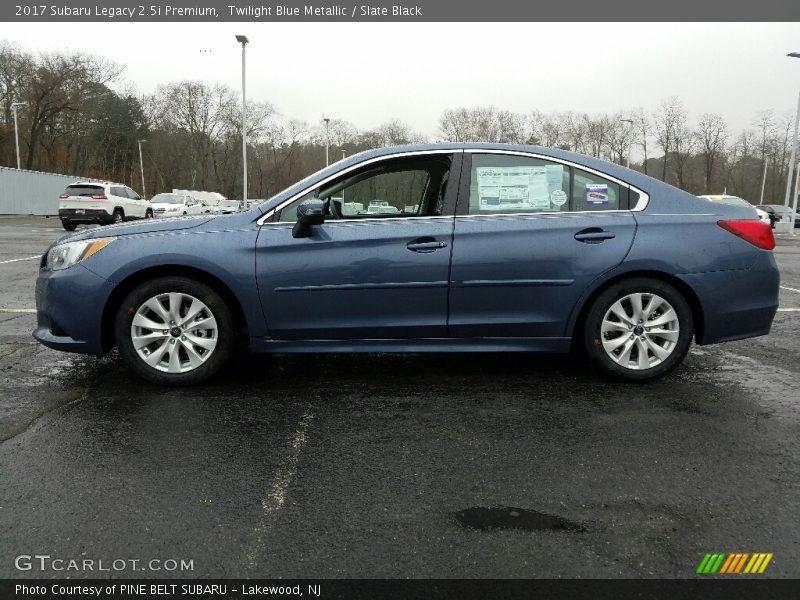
{"type": "Point", "coordinates": [66, 255]}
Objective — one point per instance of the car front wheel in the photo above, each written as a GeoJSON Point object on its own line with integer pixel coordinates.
{"type": "Point", "coordinates": [68, 225]}
{"type": "Point", "coordinates": [174, 331]}
{"type": "Point", "coordinates": [639, 329]}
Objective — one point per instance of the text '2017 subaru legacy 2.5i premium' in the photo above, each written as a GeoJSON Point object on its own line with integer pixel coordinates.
{"type": "Point", "coordinates": [489, 248]}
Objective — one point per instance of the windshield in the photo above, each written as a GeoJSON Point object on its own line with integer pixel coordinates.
{"type": "Point", "coordinates": [167, 199]}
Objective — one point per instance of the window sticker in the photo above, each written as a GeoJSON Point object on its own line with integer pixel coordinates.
{"type": "Point", "coordinates": [558, 198]}
{"type": "Point", "coordinates": [597, 193]}
{"type": "Point", "coordinates": [517, 188]}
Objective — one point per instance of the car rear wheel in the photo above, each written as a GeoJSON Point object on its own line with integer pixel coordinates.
{"type": "Point", "coordinates": [68, 225]}
{"type": "Point", "coordinates": [118, 217]}
{"type": "Point", "coordinates": [639, 329]}
{"type": "Point", "coordinates": [174, 331]}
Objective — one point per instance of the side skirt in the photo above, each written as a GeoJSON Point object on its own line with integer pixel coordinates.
{"type": "Point", "coordinates": [555, 345]}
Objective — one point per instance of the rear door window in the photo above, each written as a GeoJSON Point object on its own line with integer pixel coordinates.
{"type": "Point", "coordinates": [511, 184]}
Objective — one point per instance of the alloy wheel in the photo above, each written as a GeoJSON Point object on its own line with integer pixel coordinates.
{"type": "Point", "coordinates": [640, 331]}
{"type": "Point", "coordinates": [174, 332]}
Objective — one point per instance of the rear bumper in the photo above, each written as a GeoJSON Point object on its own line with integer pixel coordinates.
{"type": "Point", "coordinates": [89, 215]}
{"type": "Point", "coordinates": [736, 304]}
{"type": "Point", "coordinates": [69, 310]}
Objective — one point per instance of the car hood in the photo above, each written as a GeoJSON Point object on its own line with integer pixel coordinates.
{"type": "Point", "coordinates": [145, 226]}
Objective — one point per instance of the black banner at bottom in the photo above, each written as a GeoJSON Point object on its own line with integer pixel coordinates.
{"type": "Point", "coordinates": [405, 589]}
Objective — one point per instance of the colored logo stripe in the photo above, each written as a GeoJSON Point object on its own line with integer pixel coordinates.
{"type": "Point", "coordinates": [723, 563]}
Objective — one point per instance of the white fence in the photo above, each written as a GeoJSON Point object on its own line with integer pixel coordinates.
{"type": "Point", "coordinates": [32, 192]}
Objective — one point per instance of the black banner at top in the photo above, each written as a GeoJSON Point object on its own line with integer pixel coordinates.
{"type": "Point", "coordinates": [397, 10]}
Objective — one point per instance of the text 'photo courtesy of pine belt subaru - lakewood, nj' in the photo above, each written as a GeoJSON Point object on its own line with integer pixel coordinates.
{"type": "Point", "coordinates": [432, 248]}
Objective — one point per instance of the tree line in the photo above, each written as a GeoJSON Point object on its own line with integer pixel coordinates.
{"type": "Point", "coordinates": [83, 119]}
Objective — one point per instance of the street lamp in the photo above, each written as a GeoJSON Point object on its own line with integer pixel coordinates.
{"type": "Point", "coordinates": [141, 166]}
{"type": "Point", "coordinates": [242, 39]}
{"type": "Point", "coordinates": [14, 107]}
{"type": "Point", "coordinates": [790, 177]}
{"type": "Point", "coordinates": [630, 126]}
{"type": "Point", "coordinates": [327, 122]}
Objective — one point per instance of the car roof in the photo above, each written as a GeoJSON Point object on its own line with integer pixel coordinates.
{"type": "Point", "coordinates": [97, 183]}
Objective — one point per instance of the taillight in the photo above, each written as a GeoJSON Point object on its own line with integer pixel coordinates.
{"type": "Point", "coordinates": [757, 233]}
{"type": "Point", "coordinates": [99, 197]}
{"type": "Point", "coordinates": [63, 196]}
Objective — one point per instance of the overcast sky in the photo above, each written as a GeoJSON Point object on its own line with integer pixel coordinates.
{"type": "Point", "coordinates": [368, 73]}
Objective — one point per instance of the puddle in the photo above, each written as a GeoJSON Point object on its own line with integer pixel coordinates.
{"type": "Point", "coordinates": [507, 517]}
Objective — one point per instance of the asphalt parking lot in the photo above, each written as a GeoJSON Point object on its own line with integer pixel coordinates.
{"type": "Point", "coordinates": [387, 466]}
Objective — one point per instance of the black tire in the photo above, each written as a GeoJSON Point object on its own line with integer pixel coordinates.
{"type": "Point", "coordinates": [226, 339]}
{"type": "Point", "coordinates": [148, 214]}
{"type": "Point", "coordinates": [118, 216]}
{"type": "Point", "coordinates": [593, 337]}
{"type": "Point", "coordinates": [68, 225]}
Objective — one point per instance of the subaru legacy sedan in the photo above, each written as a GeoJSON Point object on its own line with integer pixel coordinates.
{"type": "Point", "coordinates": [489, 248]}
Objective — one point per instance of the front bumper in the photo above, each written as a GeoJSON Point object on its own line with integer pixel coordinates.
{"type": "Point", "coordinates": [69, 310]}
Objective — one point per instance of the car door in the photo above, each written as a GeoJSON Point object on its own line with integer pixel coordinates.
{"type": "Point", "coordinates": [138, 205]}
{"type": "Point", "coordinates": [530, 236]}
{"type": "Point", "coordinates": [377, 268]}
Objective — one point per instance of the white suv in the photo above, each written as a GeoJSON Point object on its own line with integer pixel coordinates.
{"type": "Point", "coordinates": [103, 203]}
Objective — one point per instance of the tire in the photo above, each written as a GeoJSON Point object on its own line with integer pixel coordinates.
{"type": "Point", "coordinates": [68, 225]}
{"type": "Point", "coordinates": [148, 214]}
{"type": "Point", "coordinates": [117, 217]}
{"type": "Point", "coordinates": [185, 368]}
{"type": "Point", "coordinates": [641, 345]}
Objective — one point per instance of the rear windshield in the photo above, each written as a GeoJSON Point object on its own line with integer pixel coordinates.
{"type": "Point", "coordinates": [84, 190]}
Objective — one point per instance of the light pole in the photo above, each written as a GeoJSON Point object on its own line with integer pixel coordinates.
{"type": "Point", "coordinates": [790, 177]}
{"type": "Point", "coordinates": [628, 137]}
{"type": "Point", "coordinates": [763, 182]}
{"type": "Point", "coordinates": [141, 167]}
{"type": "Point", "coordinates": [327, 122]}
{"type": "Point", "coordinates": [14, 107]}
{"type": "Point", "coordinates": [242, 39]}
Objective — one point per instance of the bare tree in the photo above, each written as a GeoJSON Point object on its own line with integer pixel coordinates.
{"type": "Point", "coordinates": [711, 135]}
{"type": "Point", "coordinates": [666, 119]}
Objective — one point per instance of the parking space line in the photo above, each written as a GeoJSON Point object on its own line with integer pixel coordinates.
{"type": "Point", "coordinates": [789, 310]}
{"type": "Point", "coordinates": [276, 494]}
{"type": "Point", "coordinates": [13, 260]}
{"type": "Point", "coordinates": [783, 287]}
{"type": "Point", "coordinates": [17, 310]}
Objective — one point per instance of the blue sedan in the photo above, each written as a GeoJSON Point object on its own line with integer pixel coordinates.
{"type": "Point", "coordinates": [434, 248]}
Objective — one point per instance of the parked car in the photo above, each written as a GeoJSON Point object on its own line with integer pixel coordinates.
{"type": "Point", "coordinates": [763, 216]}
{"type": "Point", "coordinates": [781, 212]}
{"type": "Point", "coordinates": [175, 205]}
{"type": "Point", "coordinates": [103, 203]}
{"type": "Point", "coordinates": [510, 248]}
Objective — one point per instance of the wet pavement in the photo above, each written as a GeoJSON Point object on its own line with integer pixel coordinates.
{"type": "Point", "coordinates": [396, 466]}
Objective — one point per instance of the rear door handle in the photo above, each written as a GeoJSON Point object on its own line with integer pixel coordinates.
{"type": "Point", "coordinates": [426, 244]}
{"type": "Point", "coordinates": [594, 235]}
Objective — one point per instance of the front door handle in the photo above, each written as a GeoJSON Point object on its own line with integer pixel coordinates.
{"type": "Point", "coordinates": [594, 235]}
{"type": "Point", "coordinates": [426, 244]}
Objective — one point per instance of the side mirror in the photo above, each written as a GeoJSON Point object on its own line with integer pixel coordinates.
{"type": "Point", "coordinates": [309, 213]}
